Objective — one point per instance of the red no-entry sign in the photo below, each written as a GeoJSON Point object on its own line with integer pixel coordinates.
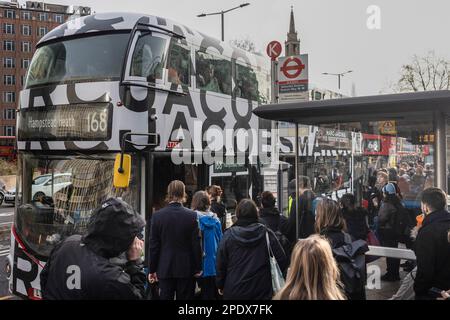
{"type": "Point", "coordinates": [292, 67]}
{"type": "Point", "coordinates": [273, 49]}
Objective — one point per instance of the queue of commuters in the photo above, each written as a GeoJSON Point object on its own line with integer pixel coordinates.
{"type": "Point", "coordinates": [189, 252]}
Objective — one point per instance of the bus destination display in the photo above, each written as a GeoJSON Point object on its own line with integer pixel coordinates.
{"type": "Point", "coordinates": [65, 123]}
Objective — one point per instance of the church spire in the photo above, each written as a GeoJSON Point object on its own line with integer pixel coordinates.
{"type": "Point", "coordinates": [292, 44]}
{"type": "Point", "coordinates": [292, 23]}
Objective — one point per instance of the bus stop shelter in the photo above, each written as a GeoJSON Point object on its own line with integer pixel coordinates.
{"type": "Point", "coordinates": [406, 131]}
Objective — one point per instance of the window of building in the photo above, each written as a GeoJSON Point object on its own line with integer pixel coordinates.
{"type": "Point", "coordinates": [26, 30]}
{"type": "Point", "coordinates": [10, 131]}
{"type": "Point", "coordinates": [9, 96]}
{"type": "Point", "coordinates": [9, 62]}
{"type": "Point", "coordinates": [22, 80]}
{"type": "Point", "coordinates": [26, 46]}
{"type": "Point", "coordinates": [179, 64]}
{"type": "Point", "coordinates": [25, 63]}
{"type": "Point", "coordinates": [43, 16]}
{"type": "Point", "coordinates": [42, 31]}
{"type": "Point", "coordinates": [9, 79]}
{"type": "Point", "coordinates": [246, 83]}
{"type": "Point", "coordinates": [9, 114]}
{"type": "Point", "coordinates": [26, 15]}
{"type": "Point", "coordinates": [8, 45]}
{"type": "Point", "coordinates": [8, 28]}
{"type": "Point", "coordinates": [9, 14]}
{"type": "Point", "coordinates": [213, 73]}
{"type": "Point", "coordinates": [59, 18]}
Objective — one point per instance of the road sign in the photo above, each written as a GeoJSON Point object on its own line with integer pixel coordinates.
{"type": "Point", "coordinates": [273, 49]}
{"type": "Point", "coordinates": [293, 78]}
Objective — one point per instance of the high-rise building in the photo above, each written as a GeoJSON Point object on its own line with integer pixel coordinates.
{"type": "Point", "coordinates": [21, 27]}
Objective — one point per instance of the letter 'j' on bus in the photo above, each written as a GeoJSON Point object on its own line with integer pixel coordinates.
{"type": "Point", "coordinates": [122, 179]}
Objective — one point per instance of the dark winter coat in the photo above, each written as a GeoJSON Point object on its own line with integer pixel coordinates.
{"type": "Point", "coordinates": [243, 268]}
{"type": "Point", "coordinates": [174, 246]}
{"type": "Point", "coordinates": [272, 218]}
{"type": "Point", "coordinates": [82, 268]}
{"type": "Point", "coordinates": [356, 221]}
{"type": "Point", "coordinates": [432, 250]}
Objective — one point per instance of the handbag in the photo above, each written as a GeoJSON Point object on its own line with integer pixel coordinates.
{"type": "Point", "coordinates": [275, 271]}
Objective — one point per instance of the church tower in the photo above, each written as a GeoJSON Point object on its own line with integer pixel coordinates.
{"type": "Point", "coordinates": [292, 44]}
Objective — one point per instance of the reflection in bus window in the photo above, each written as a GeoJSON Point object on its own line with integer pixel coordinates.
{"type": "Point", "coordinates": [179, 64]}
{"type": "Point", "coordinates": [58, 196]}
{"type": "Point", "coordinates": [148, 57]}
{"type": "Point", "coordinates": [213, 73]}
{"type": "Point", "coordinates": [247, 84]}
{"type": "Point", "coordinates": [86, 58]}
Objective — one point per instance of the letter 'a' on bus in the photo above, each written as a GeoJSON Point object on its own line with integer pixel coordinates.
{"type": "Point", "coordinates": [122, 177]}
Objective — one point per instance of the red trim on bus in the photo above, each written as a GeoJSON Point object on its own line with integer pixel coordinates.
{"type": "Point", "coordinates": [13, 228]}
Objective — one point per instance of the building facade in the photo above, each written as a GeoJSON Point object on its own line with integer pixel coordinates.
{"type": "Point", "coordinates": [21, 27]}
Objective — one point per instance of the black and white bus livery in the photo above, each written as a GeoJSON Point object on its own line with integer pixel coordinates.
{"type": "Point", "coordinates": [96, 78]}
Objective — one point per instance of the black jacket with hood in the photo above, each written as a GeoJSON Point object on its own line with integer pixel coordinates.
{"type": "Point", "coordinates": [82, 268]}
{"type": "Point", "coordinates": [272, 218]}
{"type": "Point", "coordinates": [243, 268]}
{"type": "Point", "coordinates": [432, 248]}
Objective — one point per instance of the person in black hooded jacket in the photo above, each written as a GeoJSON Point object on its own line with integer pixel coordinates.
{"type": "Point", "coordinates": [243, 268]}
{"type": "Point", "coordinates": [82, 267]}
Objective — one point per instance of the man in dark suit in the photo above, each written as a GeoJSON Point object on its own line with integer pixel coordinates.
{"type": "Point", "coordinates": [174, 248]}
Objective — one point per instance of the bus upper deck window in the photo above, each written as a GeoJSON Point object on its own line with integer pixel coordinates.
{"type": "Point", "coordinates": [148, 57]}
{"type": "Point", "coordinates": [179, 64]}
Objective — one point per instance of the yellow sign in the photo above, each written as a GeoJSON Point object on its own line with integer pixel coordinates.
{"type": "Point", "coordinates": [387, 127]}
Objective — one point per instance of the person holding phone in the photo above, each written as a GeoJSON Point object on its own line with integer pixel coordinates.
{"type": "Point", "coordinates": [83, 268]}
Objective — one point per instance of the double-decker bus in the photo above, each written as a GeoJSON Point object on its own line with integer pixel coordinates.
{"type": "Point", "coordinates": [93, 85]}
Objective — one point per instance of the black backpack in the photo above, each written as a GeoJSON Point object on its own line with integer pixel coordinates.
{"type": "Point", "coordinates": [351, 261]}
{"type": "Point", "coordinates": [405, 221]}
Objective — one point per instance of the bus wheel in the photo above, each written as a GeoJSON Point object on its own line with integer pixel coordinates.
{"type": "Point", "coordinates": [38, 195]}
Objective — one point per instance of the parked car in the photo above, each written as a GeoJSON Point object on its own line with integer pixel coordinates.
{"type": "Point", "coordinates": [7, 196]}
{"type": "Point", "coordinates": [47, 185]}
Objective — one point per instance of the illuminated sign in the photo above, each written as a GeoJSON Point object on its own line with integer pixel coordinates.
{"type": "Point", "coordinates": [66, 123]}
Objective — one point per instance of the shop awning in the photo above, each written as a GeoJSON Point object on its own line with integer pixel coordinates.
{"type": "Point", "coordinates": [367, 108]}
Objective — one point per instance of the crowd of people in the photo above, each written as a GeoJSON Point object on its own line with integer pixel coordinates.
{"type": "Point", "coordinates": [192, 254]}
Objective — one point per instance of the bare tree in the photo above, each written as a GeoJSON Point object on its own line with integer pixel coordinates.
{"type": "Point", "coordinates": [424, 73]}
{"type": "Point", "coordinates": [245, 44]}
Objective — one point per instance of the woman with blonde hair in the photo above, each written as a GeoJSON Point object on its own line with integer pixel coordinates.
{"type": "Point", "coordinates": [331, 224]}
{"type": "Point", "coordinates": [313, 274]}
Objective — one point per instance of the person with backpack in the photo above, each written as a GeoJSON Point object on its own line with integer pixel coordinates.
{"type": "Point", "coordinates": [243, 265]}
{"type": "Point", "coordinates": [211, 234]}
{"type": "Point", "coordinates": [388, 218]}
{"type": "Point", "coordinates": [307, 202]}
{"type": "Point", "coordinates": [313, 273]}
{"type": "Point", "coordinates": [349, 254]}
{"type": "Point", "coordinates": [271, 217]}
{"type": "Point", "coordinates": [355, 217]}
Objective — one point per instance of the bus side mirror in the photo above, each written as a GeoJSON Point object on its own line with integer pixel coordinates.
{"type": "Point", "coordinates": [122, 170]}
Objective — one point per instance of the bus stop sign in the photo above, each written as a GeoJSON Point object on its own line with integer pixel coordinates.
{"type": "Point", "coordinates": [273, 49]}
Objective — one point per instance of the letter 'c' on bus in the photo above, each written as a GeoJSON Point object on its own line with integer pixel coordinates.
{"type": "Point", "coordinates": [74, 280]}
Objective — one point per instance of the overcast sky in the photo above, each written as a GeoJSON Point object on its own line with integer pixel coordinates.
{"type": "Point", "coordinates": [333, 32]}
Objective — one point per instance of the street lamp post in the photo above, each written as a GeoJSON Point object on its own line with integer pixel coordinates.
{"type": "Point", "coordinates": [222, 15]}
{"type": "Point", "coordinates": [339, 75]}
